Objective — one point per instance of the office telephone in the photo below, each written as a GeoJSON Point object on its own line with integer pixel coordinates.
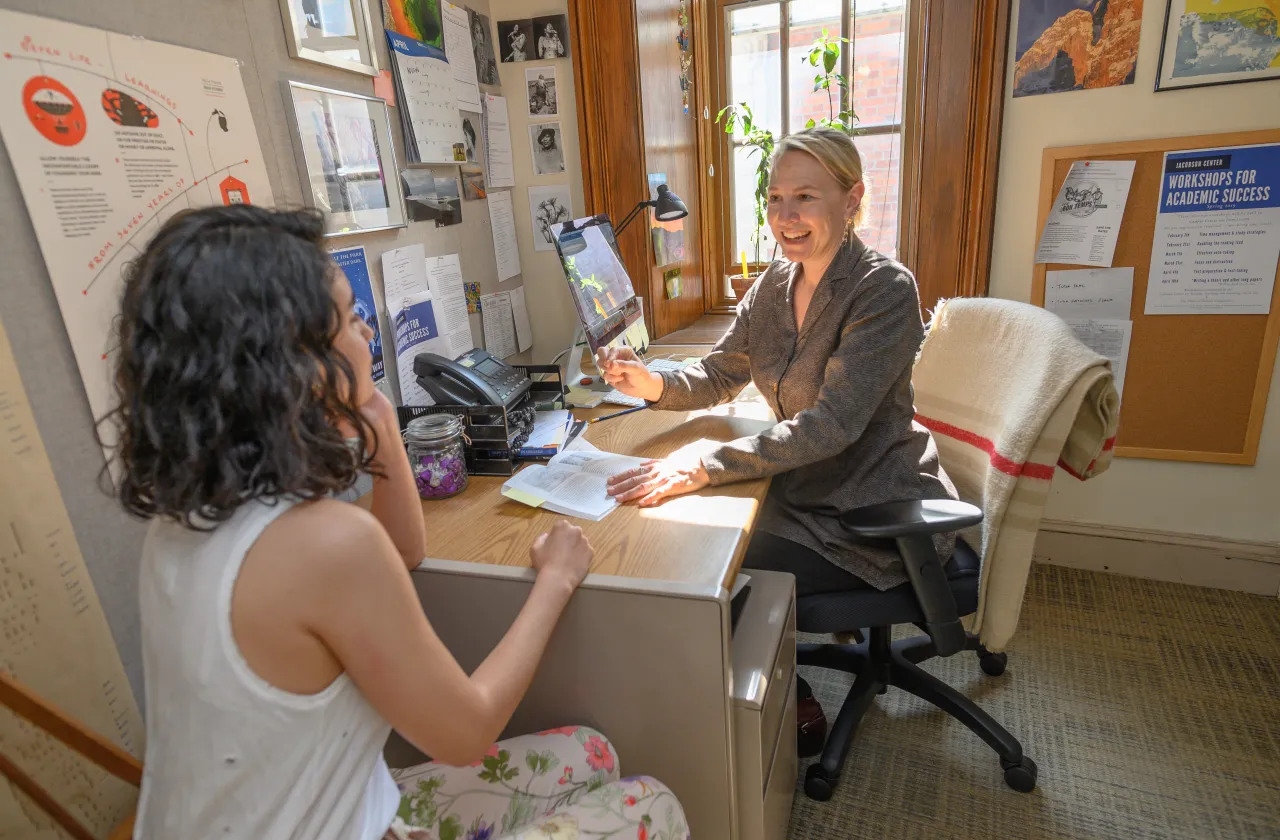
{"type": "Point", "coordinates": [476, 378]}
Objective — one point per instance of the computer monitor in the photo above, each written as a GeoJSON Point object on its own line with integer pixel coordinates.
{"type": "Point", "coordinates": [598, 281]}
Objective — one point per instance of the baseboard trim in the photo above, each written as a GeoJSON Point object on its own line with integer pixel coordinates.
{"type": "Point", "coordinates": [1217, 563]}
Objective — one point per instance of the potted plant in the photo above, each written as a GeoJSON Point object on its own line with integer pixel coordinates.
{"type": "Point", "coordinates": [825, 55]}
{"type": "Point", "coordinates": [760, 140]}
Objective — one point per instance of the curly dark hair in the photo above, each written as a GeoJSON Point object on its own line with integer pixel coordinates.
{"type": "Point", "coordinates": [227, 382]}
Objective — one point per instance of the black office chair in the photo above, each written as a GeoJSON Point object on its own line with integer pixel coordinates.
{"type": "Point", "coordinates": [936, 597]}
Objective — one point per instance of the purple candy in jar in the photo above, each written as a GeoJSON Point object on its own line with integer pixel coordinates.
{"type": "Point", "coordinates": [436, 454]}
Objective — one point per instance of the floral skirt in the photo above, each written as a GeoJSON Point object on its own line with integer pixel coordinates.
{"type": "Point", "coordinates": [562, 784]}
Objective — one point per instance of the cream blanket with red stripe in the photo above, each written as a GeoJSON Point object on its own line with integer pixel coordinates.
{"type": "Point", "coordinates": [1009, 393]}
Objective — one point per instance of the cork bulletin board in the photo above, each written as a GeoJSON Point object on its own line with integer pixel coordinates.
{"type": "Point", "coordinates": [1196, 385]}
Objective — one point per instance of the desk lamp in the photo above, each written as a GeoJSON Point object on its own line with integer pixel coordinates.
{"type": "Point", "coordinates": [667, 207]}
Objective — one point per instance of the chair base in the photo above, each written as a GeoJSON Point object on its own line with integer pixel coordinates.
{"type": "Point", "coordinates": [879, 663]}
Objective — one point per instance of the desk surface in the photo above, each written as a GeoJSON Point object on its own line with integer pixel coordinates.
{"type": "Point", "coordinates": [697, 539]}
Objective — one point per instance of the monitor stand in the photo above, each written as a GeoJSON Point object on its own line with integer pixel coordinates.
{"type": "Point", "coordinates": [573, 374]}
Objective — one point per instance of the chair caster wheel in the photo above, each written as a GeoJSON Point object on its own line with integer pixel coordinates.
{"type": "Point", "coordinates": [816, 784]}
{"type": "Point", "coordinates": [1021, 776]}
{"type": "Point", "coordinates": [993, 664]}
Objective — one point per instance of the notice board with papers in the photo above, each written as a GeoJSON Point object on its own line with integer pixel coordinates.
{"type": "Point", "coordinates": [1196, 385]}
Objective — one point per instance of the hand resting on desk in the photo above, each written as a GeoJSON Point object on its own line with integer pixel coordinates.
{"type": "Point", "coordinates": [653, 481]}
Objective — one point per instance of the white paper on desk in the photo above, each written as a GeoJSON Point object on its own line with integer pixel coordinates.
{"type": "Point", "coordinates": [1084, 222]}
{"type": "Point", "coordinates": [506, 249]}
{"type": "Point", "coordinates": [524, 333]}
{"type": "Point", "coordinates": [739, 584]}
{"type": "Point", "coordinates": [450, 296]}
{"type": "Point", "coordinates": [417, 331]}
{"type": "Point", "coordinates": [1106, 337]}
{"type": "Point", "coordinates": [497, 144]}
{"type": "Point", "coordinates": [499, 327]}
{"type": "Point", "coordinates": [1090, 293]}
{"type": "Point", "coordinates": [549, 429]}
{"type": "Point", "coordinates": [457, 45]}
{"type": "Point", "coordinates": [404, 274]}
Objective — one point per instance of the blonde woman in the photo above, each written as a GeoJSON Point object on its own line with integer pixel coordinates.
{"type": "Point", "coordinates": [828, 334]}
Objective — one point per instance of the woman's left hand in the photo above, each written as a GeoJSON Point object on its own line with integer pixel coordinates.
{"type": "Point", "coordinates": [653, 481]}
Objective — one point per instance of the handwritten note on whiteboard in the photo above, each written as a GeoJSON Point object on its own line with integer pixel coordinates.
{"type": "Point", "coordinates": [56, 639]}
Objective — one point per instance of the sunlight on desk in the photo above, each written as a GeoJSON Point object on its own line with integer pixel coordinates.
{"type": "Point", "coordinates": [702, 509]}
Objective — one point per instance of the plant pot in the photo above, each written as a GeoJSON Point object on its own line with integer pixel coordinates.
{"type": "Point", "coordinates": [742, 284]}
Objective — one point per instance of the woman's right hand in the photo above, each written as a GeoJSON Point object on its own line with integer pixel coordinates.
{"type": "Point", "coordinates": [623, 370]}
{"type": "Point", "coordinates": [564, 553]}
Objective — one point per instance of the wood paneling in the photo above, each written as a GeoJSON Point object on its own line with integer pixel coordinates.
{"type": "Point", "coordinates": [671, 147]}
{"type": "Point", "coordinates": [958, 54]}
{"type": "Point", "coordinates": [608, 90]}
{"type": "Point", "coordinates": [631, 122]}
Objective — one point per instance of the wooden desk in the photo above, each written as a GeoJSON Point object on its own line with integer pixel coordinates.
{"type": "Point", "coordinates": [697, 539]}
{"type": "Point", "coordinates": [644, 650]}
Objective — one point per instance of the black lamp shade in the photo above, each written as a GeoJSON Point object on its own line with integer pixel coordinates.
{"type": "Point", "coordinates": [668, 206]}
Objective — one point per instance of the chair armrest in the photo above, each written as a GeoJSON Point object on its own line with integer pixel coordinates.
{"type": "Point", "coordinates": [912, 526]}
{"type": "Point", "coordinates": [891, 520]}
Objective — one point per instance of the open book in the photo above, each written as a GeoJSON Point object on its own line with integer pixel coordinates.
{"type": "Point", "coordinates": [574, 483]}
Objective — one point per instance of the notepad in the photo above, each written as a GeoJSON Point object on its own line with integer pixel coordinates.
{"type": "Point", "coordinates": [572, 483]}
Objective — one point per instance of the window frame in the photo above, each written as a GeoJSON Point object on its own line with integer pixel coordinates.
{"type": "Point", "coordinates": [723, 145]}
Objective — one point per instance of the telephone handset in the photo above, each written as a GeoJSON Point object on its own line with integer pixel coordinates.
{"type": "Point", "coordinates": [476, 378]}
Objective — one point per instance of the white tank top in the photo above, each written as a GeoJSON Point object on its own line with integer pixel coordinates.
{"type": "Point", "coordinates": [229, 755]}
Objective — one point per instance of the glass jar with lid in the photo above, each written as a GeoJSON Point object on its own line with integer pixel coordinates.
{"type": "Point", "coordinates": [435, 445]}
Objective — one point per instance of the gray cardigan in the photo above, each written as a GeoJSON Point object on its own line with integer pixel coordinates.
{"type": "Point", "coordinates": [842, 387]}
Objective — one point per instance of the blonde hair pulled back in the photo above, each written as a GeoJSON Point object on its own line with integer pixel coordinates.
{"type": "Point", "coordinates": [838, 155]}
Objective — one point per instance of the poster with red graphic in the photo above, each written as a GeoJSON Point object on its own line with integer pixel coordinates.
{"type": "Point", "coordinates": [110, 135]}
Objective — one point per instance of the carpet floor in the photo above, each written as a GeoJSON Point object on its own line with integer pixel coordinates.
{"type": "Point", "coordinates": [1152, 710]}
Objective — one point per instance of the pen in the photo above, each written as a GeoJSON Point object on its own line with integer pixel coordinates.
{"type": "Point", "coordinates": [618, 414]}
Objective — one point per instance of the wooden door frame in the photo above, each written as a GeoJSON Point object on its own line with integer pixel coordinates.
{"type": "Point", "coordinates": [960, 52]}
{"type": "Point", "coordinates": [611, 128]}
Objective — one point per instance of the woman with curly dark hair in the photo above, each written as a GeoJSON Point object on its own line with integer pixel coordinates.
{"type": "Point", "coordinates": [282, 637]}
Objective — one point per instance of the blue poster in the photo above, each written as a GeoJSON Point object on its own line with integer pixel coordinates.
{"type": "Point", "coordinates": [1217, 237]}
{"type": "Point", "coordinates": [353, 264]}
{"type": "Point", "coordinates": [416, 332]}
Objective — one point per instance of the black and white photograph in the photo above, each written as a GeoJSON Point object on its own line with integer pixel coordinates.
{"type": "Point", "coordinates": [548, 148]}
{"type": "Point", "coordinates": [541, 84]}
{"type": "Point", "coordinates": [482, 46]}
{"type": "Point", "coordinates": [549, 206]}
{"type": "Point", "coordinates": [471, 134]}
{"type": "Point", "coordinates": [420, 194]}
{"type": "Point", "coordinates": [449, 201]}
{"type": "Point", "coordinates": [552, 36]}
{"type": "Point", "coordinates": [515, 40]}
{"type": "Point", "coordinates": [332, 32]}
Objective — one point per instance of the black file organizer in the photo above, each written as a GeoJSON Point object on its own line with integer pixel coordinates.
{"type": "Point", "coordinates": [488, 427]}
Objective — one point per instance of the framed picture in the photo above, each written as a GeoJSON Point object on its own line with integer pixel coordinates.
{"type": "Point", "coordinates": [345, 158]}
{"type": "Point", "coordinates": [1210, 42]}
{"type": "Point", "coordinates": [333, 32]}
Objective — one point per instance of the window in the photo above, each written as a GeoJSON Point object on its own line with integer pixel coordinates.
{"type": "Point", "coordinates": [767, 43]}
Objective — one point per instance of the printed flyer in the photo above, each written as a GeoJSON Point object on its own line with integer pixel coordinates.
{"type": "Point", "coordinates": [109, 136]}
{"type": "Point", "coordinates": [1217, 235]}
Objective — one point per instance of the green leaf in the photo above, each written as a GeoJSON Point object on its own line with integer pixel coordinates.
{"type": "Point", "coordinates": [511, 774]}
{"type": "Point", "coordinates": [531, 759]}
{"type": "Point", "coordinates": [810, 124]}
{"type": "Point", "coordinates": [830, 58]}
{"type": "Point", "coordinates": [451, 828]}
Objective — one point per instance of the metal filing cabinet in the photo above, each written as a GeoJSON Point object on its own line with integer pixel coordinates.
{"type": "Point", "coordinates": [764, 707]}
